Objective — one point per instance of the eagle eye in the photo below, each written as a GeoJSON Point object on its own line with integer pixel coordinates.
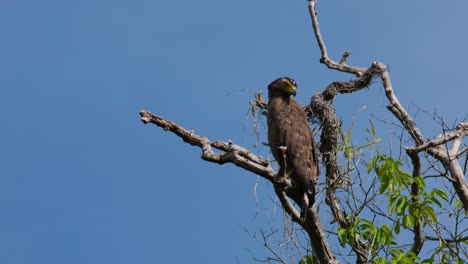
{"type": "Point", "coordinates": [291, 81]}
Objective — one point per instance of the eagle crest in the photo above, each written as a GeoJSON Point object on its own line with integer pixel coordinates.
{"type": "Point", "coordinates": [292, 141]}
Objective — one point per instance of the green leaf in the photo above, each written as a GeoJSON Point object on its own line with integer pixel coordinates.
{"type": "Point", "coordinates": [392, 201]}
{"type": "Point", "coordinates": [372, 163]}
{"type": "Point", "coordinates": [429, 260]}
{"type": "Point", "coordinates": [396, 253]}
{"type": "Point", "coordinates": [374, 131]}
{"type": "Point", "coordinates": [397, 227]}
{"type": "Point", "coordinates": [366, 224]}
{"type": "Point", "coordinates": [307, 260]}
{"type": "Point", "coordinates": [367, 229]}
{"type": "Point", "coordinates": [414, 209]}
{"type": "Point", "coordinates": [342, 236]}
{"type": "Point", "coordinates": [408, 221]}
{"type": "Point", "coordinates": [441, 194]}
{"type": "Point", "coordinates": [445, 258]}
{"type": "Point", "coordinates": [379, 260]}
{"type": "Point", "coordinates": [434, 200]}
{"type": "Point", "coordinates": [384, 184]}
{"type": "Point", "coordinates": [419, 181]}
{"type": "Point", "coordinates": [401, 205]}
{"type": "Point", "coordinates": [384, 235]}
{"type": "Point", "coordinates": [375, 141]}
{"type": "Point", "coordinates": [430, 213]}
{"type": "Point", "coordinates": [405, 177]}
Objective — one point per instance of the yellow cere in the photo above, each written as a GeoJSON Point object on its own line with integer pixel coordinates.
{"type": "Point", "coordinates": [290, 88]}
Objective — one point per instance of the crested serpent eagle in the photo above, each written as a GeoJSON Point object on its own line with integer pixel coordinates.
{"type": "Point", "coordinates": [292, 141]}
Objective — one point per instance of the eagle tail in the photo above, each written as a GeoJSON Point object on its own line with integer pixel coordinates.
{"type": "Point", "coordinates": [308, 201]}
{"type": "Point", "coordinates": [305, 206]}
{"type": "Point", "coordinates": [311, 194]}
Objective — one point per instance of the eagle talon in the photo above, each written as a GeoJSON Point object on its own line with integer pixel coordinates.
{"type": "Point", "coordinates": [284, 181]}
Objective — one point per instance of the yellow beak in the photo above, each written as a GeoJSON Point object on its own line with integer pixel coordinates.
{"type": "Point", "coordinates": [290, 89]}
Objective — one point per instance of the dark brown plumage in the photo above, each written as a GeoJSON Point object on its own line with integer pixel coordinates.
{"type": "Point", "coordinates": [288, 127]}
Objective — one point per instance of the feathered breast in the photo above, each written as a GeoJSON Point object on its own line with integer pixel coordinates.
{"type": "Point", "coordinates": [288, 126]}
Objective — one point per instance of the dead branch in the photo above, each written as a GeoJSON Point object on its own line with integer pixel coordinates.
{"type": "Point", "coordinates": [329, 123]}
{"type": "Point", "coordinates": [331, 64]}
{"type": "Point", "coordinates": [438, 151]}
{"type": "Point", "coordinates": [433, 143]}
{"type": "Point", "coordinates": [245, 159]}
{"type": "Point", "coordinates": [264, 241]}
{"type": "Point", "coordinates": [233, 153]}
{"type": "Point", "coordinates": [322, 106]}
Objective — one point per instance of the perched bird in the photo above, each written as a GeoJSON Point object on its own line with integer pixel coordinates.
{"type": "Point", "coordinates": [292, 141]}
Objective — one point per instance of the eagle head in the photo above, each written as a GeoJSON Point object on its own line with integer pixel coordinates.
{"type": "Point", "coordinates": [283, 86]}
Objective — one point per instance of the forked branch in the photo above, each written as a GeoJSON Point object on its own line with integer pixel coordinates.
{"type": "Point", "coordinates": [331, 64]}
{"type": "Point", "coordinates": [245, 159]}
{"type": "Point", "coordinates": [434, 148]}
{"type": "Point", "coordinates": [233, 153]}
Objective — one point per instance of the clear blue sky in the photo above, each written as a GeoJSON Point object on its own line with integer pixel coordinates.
{"type": "Point", "coordinates": [82, 180]}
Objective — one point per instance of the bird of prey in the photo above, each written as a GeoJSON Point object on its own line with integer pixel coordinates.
{"type": "Point", "coordinates": [292, 141]}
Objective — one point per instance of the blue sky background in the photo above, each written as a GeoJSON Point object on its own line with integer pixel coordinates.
{"type": "Point", "coordinates": [82, 180]}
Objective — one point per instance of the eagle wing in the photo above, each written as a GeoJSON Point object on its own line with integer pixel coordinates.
{"type": "Point", "coordinates": [301, 149]}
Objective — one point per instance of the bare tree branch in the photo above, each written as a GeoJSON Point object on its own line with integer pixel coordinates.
{"type": "Point", "coordinates": [457, 240]}
{"type": "Point", "coordinates": [396, 108]}
{"type": "Point", "coordinates": [264, 242]}
{"type": "Point", "coordinates": [401, 114]}
{"type": "Point", "coordinates": [434, 148]}
{"type": "Point", "coordinates": [341, 66]}
{"type": "Point", "coordinates": [433, 143]}
{"type": "Point", "coordinates": [245, 159]}
{"type": "Point", "coordinates": [233, 153]}
{"type": "Point", "coordinates": [438, 151]}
